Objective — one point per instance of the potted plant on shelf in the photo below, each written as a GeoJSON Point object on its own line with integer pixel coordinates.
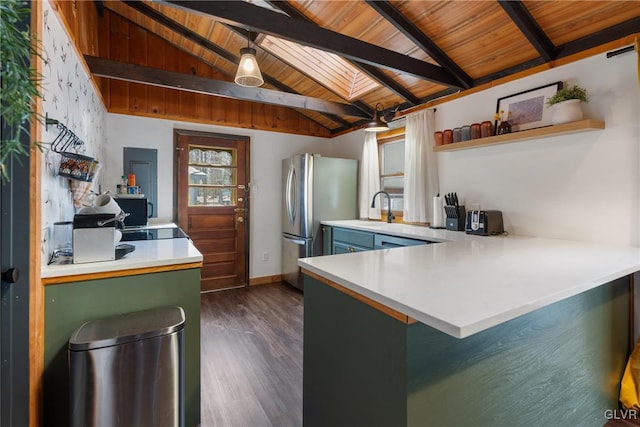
{"type": "Point", "coordinates": [566, 104]}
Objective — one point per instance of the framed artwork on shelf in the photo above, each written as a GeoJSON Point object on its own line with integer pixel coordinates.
{"type": "Point", "coordinates": [527, 110]}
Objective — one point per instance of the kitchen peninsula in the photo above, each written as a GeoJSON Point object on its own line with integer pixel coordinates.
{"type": "Point", "coordinates": [159, 273]}
{"type": "Point", "coordinates": [469, 331]}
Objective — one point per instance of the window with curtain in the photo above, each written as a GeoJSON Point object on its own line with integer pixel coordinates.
{"type": "Point", "coordinates": [391, 155]}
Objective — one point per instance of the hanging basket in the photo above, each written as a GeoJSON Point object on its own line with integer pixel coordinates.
{"type": "Point", "coordinates": [77, 166]}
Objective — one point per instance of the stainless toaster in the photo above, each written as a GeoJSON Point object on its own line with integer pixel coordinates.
{"type": "Point", "coordinates": [484, 223]}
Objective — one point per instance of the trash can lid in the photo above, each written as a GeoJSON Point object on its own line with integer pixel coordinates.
{"type": "Point", "coordinates": [126, 328]}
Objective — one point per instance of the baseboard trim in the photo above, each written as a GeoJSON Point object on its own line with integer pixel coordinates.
{"type": "Point", "coordinates": [265, 280]}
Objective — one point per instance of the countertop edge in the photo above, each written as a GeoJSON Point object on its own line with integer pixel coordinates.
{"type": "Point", "coordinates": [150, 255]}
{"type": "Point", "coordinates": [463, 331]}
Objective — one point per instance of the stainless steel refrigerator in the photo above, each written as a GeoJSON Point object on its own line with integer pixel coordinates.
{"type": "Point", "coordinates": [315, 189]}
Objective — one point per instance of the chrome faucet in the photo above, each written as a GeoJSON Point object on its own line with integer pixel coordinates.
{"type": "Point", "coordinates": [390, 216]}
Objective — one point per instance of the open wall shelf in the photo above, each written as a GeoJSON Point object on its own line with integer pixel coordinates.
{"type": "Point", "coordinates": [548, 131]}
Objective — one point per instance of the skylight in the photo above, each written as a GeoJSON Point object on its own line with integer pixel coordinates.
{"type": "Point", "coordinates": [327, 68]}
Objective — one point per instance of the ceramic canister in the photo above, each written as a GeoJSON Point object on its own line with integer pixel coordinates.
{"type": "Point", "coordinates": [447, 136]}
{"type": "Point", "coordinates": [465, 132]}
{"type": "Point", "coordinates": [486, 129]}
{"type": "Point", "coordinates": [457, 134]}
{"type": "Point", "coordinates": [438, 138]}
{"type": "Point", "coordinates": [475, 131]}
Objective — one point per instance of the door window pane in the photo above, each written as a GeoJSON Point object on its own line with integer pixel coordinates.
{"type": "Point", "coordinates": [212, 176]}
{"type": "Point", "coordinates": [207, 156]}
{"type": "Point", "coordinates": [207, 196]}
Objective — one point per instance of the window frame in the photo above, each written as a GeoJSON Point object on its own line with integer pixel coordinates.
{"type": "Point", "coordinates": [383, 138]}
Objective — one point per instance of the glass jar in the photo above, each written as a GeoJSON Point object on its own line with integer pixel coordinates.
{"type": "Point", "coordinates": [504, 127]}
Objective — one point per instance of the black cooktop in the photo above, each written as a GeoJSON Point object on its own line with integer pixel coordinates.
{"type": "Point", "coordinates": [129, 235]}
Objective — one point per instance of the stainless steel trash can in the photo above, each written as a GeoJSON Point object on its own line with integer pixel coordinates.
{"type": "Point", "coordinates": [128, 370]}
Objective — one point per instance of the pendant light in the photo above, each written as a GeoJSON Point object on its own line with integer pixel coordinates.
{"type": "Point", "coordinates": [248, 73]}
{"type": "Point", "coordinates": [376, 125]}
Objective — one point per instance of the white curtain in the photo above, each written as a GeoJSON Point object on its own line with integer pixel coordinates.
{"type": "Point", "coordinates": [369, 177]}
{"type": "Point", "coordinates": [420, 167]}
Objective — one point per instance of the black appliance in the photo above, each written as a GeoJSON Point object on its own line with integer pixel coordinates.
{"type": "Point", "coordinates": [484, 223]}
{"type": "Point", "coordinates": [138, 208]}
{"type": "Point", "coordinates": [131, 235]}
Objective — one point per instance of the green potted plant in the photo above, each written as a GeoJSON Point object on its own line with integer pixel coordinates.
{"type": "Point", "coordinates": [566, 104]}
{"type": "Point", "coordinates": [19, 80]}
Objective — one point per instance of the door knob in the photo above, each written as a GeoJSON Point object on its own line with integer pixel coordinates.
{"type": "Point", "coordinates": [240, 219]}
{"type": "Point", "coordinates": [11, 275]}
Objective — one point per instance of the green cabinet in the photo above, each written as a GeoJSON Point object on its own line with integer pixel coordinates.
{"type": "Point", "coordinates": [346, 240]}
{"type": "Point", "coordinates": [327, 239]}
{"type": "Point", "coordinates": [69, 305]}
{"type": "Point", "coordinates": [383, 241]}
{"type": "Point", "coordinates": [339, 240]}
{"type": "Point", "coordinates": [559, 365]}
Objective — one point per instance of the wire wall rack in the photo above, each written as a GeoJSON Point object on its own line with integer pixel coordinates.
{"type": "Point", "coordinates": [73, 165]}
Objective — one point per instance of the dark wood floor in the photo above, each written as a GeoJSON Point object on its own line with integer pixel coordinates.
{"type": "Point", "coordinates": [252, 357]}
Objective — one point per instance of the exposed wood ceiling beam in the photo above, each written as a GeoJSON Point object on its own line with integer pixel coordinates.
{"type": "Point", "coordinates": [413, 33]}
{"type": "Point", "coordinates": [205, 43]}
{"type": "Point", "coordinates": [615, 32]}
{"type": "Point", "coordinates": [599, 38]}
{"type": "Point", "coordinates": [99, 7]}
{"type": "Point", "coordinates": [277, 24]}
{"type": "Point", "coordinates": [172, 80]}
{"type": "Point", "coordinates": [373, 72]}
{"type": "Point", "coordinates": [530, 28]}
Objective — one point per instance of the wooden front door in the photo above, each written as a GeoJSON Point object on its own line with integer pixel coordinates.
{"type": "Point", "coordinates": [212, 205]}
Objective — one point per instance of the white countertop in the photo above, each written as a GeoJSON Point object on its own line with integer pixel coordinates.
{"type": "Point", "coordinates": [148, 253]}
{"type": "Point", "coordinates": [471, 283]}
{"type": "Point", "coordinates": [403, 230]}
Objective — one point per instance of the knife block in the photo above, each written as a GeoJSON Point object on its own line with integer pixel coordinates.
{"type": "Point", "coordinates": [456, 220]}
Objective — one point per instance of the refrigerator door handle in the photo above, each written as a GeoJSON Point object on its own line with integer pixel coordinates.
{"type": "Point", "coordinates": [290, 194]}
{"type": "Point", "coordinates": [295, 241]}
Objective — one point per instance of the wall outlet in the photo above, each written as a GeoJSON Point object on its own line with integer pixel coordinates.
{"type": "Point", "coordinates": [265, 256]}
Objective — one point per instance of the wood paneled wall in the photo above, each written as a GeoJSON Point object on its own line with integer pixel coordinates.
{"type": "Point", "coordinates": [121, 40]}
{"type": "Point", "coordinates": [82, 19]}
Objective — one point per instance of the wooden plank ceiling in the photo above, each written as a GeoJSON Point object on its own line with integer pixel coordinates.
{"type": "Point", "coordinates": [415, 51]}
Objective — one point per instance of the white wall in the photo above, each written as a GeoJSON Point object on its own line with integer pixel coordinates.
{"type": "Point", "coordinates": [580, 187]}
{"type": "Point", "coordinates": [348, 145]}
{"type": "Point", "coordinates": [267, 151]}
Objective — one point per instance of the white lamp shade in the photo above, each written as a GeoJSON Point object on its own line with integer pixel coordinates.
{"type": "Point", "coordinates": [248, 73]}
